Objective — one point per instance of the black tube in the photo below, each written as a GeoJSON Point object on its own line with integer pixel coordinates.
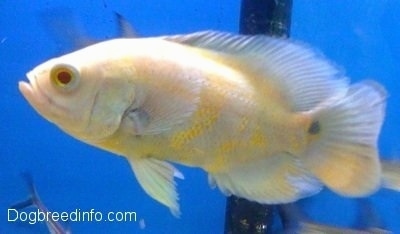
{"type": "Point", "coordinates": [270, 17]}
{"type": "Point", "coordinates": [243, 216]}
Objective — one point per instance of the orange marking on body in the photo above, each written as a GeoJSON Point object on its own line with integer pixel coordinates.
{"type": "Point", "coordinates": [204, 118]}
{"type": "Point", "coordinates": [258, 138]}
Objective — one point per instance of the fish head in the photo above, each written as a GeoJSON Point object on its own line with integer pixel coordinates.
{"type": "Point", "coordinates": [85, 93]}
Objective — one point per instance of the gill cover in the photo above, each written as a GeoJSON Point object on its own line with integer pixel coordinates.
{"type": "Point", "coordinates": [112, 99]}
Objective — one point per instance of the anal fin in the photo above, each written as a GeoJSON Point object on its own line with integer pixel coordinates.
{"type": "Point", "coordinates": [272, 180]}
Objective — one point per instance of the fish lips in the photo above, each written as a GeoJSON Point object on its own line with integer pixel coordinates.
{"type": "Point", "coordinates": [32, 93]}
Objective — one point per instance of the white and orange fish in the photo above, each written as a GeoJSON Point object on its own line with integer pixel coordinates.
{"type": "Point", "coordinates": [269, 119]}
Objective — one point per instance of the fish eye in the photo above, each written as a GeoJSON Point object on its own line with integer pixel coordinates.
{"type": "Point", "coordinates": [64, 76]}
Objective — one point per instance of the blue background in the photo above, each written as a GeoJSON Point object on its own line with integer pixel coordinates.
{"type": "Point", "coordinates": [361, 36]}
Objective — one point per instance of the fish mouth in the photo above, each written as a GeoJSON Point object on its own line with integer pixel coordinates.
{"type": "Point", "coordinates": [40, 99]}
{"type": "Point", "coordinates": [33, 94]}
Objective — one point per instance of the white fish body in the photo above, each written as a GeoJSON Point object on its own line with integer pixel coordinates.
{"type": "Point", "coordinates": [268, 119]}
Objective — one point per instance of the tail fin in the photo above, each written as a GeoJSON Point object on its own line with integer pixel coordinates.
{"type": "Point", "coordinates": [343, 154]}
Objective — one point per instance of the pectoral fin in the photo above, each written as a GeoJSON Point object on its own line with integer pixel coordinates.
{"type": "Point", "coordinates": [278, 179]}
{"type": "Point", "coordinates": [157, 179]}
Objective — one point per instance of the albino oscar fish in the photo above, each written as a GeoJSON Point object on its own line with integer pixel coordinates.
{"type": "Point", "coordinates": [268, 119]}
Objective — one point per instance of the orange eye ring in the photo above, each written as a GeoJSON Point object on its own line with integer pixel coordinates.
{"type": "Point", "coordinates": [64, 76]}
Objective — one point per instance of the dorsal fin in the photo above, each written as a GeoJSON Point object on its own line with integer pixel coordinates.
{"type": "Point", "coordinates": [65, 28]}
{"type": "Point", "coordinates": [304, 75]}
{"type": "Point", "coordinates": [125, 29]}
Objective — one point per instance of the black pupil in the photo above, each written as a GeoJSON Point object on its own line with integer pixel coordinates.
{"type": "Point", "coordinates": [64, 77]}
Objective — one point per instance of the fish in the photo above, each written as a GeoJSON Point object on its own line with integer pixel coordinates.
{"type": "Point", "coordinates": [294, 220]}
{"type": "Point", "coordinates": [54, 227]}
{"type": "Point", "coordinates": [270, 120]}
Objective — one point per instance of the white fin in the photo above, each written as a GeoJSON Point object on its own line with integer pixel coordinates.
{"type": "Point", "coordinates": [391, 174]}
{"type": "Point", "coordinates": [157, 179]}
{"type": "Point", "coordinates": [211, 182]}
{"type": "Point", "coordinates": [302, 74]}
{"type": "Point", "coordinates": [277, 179]}
{"type": "Point", "coordinates": [344, 153]}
